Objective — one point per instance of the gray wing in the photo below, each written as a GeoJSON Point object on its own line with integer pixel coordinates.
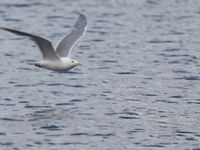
{"type": "Point", "coordinates": [45, 46]}
{"type": "Point", "coordinates": [64, 47]}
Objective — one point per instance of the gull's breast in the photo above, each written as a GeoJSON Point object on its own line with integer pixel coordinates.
{"type": "Point", "coordinates": [56, 65]}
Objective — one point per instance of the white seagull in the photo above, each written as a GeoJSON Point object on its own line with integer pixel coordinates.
{"type": "Point", "coordinates": [58, 59]}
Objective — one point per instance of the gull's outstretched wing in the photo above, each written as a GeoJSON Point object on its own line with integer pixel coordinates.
{"type": "Point", "coordinates": [64, 47]}
{"type": "Point", "coordinates": [45, 46]}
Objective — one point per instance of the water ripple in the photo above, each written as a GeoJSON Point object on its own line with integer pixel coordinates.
{"type": "Point", "coordinates": [160, 41]}
{"type": "Point", "coordinates": [11, 119]}
{"type": "Point", "coordinates": [51, 127]}
{"type": "Point", "coordinates": [106, 135]}
{"type": "Point", "coordinates": [139, 88]}
{"type": "Point", "coordinates": [66, 85]}
{"type": "Point", "coordinates": [125, 73]}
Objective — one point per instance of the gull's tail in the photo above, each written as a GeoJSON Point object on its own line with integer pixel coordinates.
{"type": "Point", "coordinates": [35, 64]}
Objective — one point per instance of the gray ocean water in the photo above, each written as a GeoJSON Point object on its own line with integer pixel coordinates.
{"type": "Point", "coordinates": [138, 88]}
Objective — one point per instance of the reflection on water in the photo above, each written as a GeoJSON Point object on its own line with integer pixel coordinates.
{"type": "Point", "coordinates": [138, 87]}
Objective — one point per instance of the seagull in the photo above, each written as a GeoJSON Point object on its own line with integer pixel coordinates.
{"type": "Point", "coordinates": [57, 59]}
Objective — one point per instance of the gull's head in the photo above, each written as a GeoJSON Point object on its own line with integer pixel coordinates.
{"type": "Point", "coordinates": [75, 63]}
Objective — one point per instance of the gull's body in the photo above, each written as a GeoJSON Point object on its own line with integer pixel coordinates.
{"type": "Point", "coordinates": [58, 59]}
{"type": "Point", "coordinates": [63, 64]}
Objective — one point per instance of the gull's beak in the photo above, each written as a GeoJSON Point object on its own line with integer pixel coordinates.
{"type": "Point", "coordinates": [79, 64]}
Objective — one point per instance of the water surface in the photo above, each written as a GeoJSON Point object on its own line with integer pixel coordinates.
{"type": "Point", "coordinates": [138, 87]}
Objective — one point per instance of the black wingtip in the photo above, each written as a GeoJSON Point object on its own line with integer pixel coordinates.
{"type": "Point", "coordinates": [3, 28]}
{"type": "Point", "coordinates": [13, 31]}
{"type": "Point", "coordinates": [38, 65]}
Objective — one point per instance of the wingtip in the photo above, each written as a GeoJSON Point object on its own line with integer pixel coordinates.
{"type": "Point", "coordinates": [82, 15]}
{"type": "Point", "coordinates": [2, 28]}
{"type": "Point", "coordinates": [81, 21]}
{"type": "Point", "coordinates": [6, 29]}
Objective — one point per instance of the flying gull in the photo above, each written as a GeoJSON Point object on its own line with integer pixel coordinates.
{"type": "Point", "coordinates": [57, 59]}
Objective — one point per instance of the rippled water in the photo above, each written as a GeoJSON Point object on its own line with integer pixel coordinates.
{"type": "Point", "coordinates": [138, 87]}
